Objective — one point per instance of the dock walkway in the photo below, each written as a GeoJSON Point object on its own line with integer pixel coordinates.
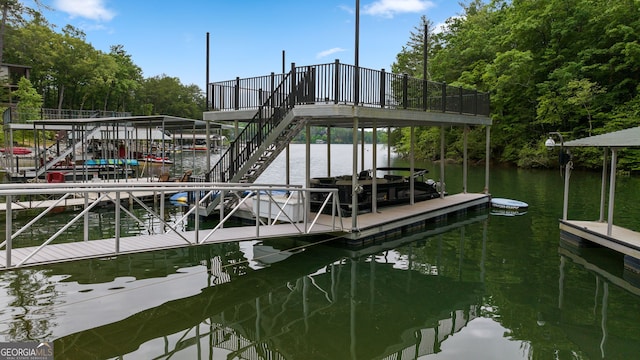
{"type": "Point", "coordinates": [388, 219]}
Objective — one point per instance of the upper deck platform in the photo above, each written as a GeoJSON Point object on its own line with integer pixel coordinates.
{"type": "Point", "coordinates": [333, 94]}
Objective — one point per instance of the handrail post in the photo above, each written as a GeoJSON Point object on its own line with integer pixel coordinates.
{"type": "Point", "coordinates": [444, 97]}
{"type": "Point", "coordinates": [405, 86]}
{"type": "Point", "coordinates": [425, 88]}
{"type": "Point", "coordinates": [236, 100]}
{"type": "Point", "coordinates": [197, 216]}
{"type": "Point", "coordinates": [272, 89]}
{"type": "Point", "coordinates": [475, 102]}
{"type": "Point", "coordinates": [461, 103]}
{"type": "Point", "coordinates": [117, 223]}
{"type": "Point", "coordinates": [383, 83]}
{"type": "Point", "coordinates": [8, 229]}
{"type": "Point", "coordinates": [336, 82]}
{"type": "Point", "coordinates": [293, 79]}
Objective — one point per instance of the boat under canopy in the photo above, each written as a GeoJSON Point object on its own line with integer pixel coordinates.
{"type": "Point", "coordinates": [391, 189]}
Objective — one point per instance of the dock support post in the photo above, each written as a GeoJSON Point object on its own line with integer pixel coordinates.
{"type": "Point", "coordinates": [565, 201]}
{"type": "Point", "coordinates": [487, 159]}
{"type": "Point", "coordinates": [464, 159]}
{"type": "Point", "coordinates": [354, 177]}
{"type": "Point", "coordinates": [374, 178]}
{"type": "Point", "coordinates": [412, 187]}
{"type": "Point", "coordinates": [612, 190]}
{"type": "Point", "coordinates": [603, 188]}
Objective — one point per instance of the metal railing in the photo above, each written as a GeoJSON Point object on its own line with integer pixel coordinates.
{"type": "Point", "coordinates": [334, 83]}
{"type": "Point", "coordinates": [101, 193]}
{"type": "Point", "coordinates": [53, 114]}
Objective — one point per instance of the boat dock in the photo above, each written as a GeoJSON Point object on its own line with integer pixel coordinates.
{"type": "Point", "coordinates": [372, 227]}
{"type": "Point", "coordinates": [273, 111]}
{"type": "Point", "coordinates": [602, 232]}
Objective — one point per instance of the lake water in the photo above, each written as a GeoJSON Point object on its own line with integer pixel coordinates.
{"type": "Point", "coordinates": [479, 286]}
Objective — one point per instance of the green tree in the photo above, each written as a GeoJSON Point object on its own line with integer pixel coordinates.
{"type": "Point", "coordinates": [30, 101]}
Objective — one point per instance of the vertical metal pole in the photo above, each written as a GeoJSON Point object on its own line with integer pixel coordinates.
{"type": "Point", "coordinates": [307, 172]}
{"type": "Point", "coordinates": [442, 139]}
{"type": "Point", "coordinates": [354, 177]}
{"type": "Point", "coordinates": [197, 215]}
{"type": "Point", "coordinates": [464, 159]}
{"type": "Point", "coordinates": [612, 189]}
{"type": "Point", "coordinates": [362, 149]}
{"type": "Point", "coordinates": [206, 85]}
{"type": "Point", "coordinates": [487, 160]}
{"type": "Point", "coordinates": [86, 216]}
{"type": "Point", "coordinates": [356, 83]}
{"type": "Point", "coordinates": [117, 222]}
{"type": "Point", "coordinates": [374, 181]}
{"type": "Point", "coordinates": [412, 160]}
{"type": "Point", "coordinates": [8, 223]}
{"type": "Point", "coordinates": [328, 151]}
{"type": "Point", "coordinates": [208, 144]}
{"type": "Point", "coordinates": [257, 207]}
{"type": "Point", "coordinates": [565, 201]}
{"type": "Point", "coordinates": [603, 188]}
{"type": "Point", "coordinates": [388, 146]}
{"type": "Point", "coordinates": [164, 230]}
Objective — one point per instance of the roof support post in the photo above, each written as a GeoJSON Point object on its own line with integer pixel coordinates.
{"type": "Point", "coordinates": [487, 158]}
{"type": "Point", "coordinates": [354, 177]}
{"type": "Point", "coordinates": [374, 171]}
{"type": "Point", "coordinates": [603, 187]}
{"type": "Point", "coordinates": [612, 189]}
{"type": "Point", "coordinates": [465, 137]}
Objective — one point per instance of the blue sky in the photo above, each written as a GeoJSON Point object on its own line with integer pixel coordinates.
{"type": "Point", "coordinates": [246, 37]}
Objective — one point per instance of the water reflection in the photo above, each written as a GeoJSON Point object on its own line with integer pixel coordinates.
{"type": "Point", "coordinates": [369, 302]}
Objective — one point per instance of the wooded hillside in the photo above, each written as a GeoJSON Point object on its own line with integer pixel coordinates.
{"type": "Point", "coordinates": [550, 65]}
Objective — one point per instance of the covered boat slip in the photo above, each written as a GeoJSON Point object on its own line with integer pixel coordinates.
{"type": "Point", "coordinates": [86, 144]}
{"type": "Point", "coordinates": [603, 231]}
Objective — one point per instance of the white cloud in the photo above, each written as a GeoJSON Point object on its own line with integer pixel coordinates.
{"type": "Point", "coordinates": [329, 52]}
{"type": "Point", "coordinates": [89, 9]}
{"type": "Point", "coordinates": [346, 9]}
{"type": "Point", "coordinates": [389, 8]}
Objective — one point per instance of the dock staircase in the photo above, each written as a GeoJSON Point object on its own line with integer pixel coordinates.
{"type": "Point", "coordinates": [267, 133]}
{"type": "Point", "coordinates": [65, 152]}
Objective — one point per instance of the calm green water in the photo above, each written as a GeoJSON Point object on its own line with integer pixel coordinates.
{"type": "Point", "coordinates": [478, 286]}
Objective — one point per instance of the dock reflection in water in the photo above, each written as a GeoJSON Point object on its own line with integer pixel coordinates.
{"type": "Point", "coordinates": [226, 300]}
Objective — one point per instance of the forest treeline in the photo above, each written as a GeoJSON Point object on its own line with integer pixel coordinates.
{"type": "Point", "coordinates": [570, 66]}
{"type": "Point", "coordinates": [69, 73]}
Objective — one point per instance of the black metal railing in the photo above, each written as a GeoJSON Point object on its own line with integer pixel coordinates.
{"type": "Point", "coordinates": [293, 88]}
{"type": "Point", "coordinates": [334, 83]}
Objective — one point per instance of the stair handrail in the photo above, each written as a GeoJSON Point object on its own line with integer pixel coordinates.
{"type": "Point", "coordinates": [63, 154]}
{"type": "Point", "coordinates": [280, 101]}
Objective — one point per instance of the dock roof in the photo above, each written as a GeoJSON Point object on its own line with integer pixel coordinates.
{"type": "Point", "coordinates": [617, 139]}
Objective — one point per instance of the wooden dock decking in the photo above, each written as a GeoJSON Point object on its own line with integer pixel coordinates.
{"type": "Point", "coordinates": [387, 219]}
